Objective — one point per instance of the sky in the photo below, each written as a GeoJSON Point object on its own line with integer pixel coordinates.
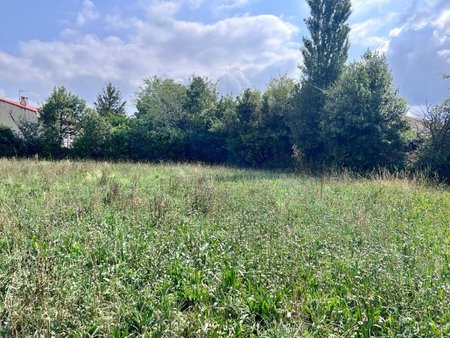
{"type": "Point", "coordinates": [82, 44]}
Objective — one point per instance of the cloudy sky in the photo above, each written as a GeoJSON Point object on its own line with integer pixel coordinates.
{"type": "Point", "coordinates": [81, 44]}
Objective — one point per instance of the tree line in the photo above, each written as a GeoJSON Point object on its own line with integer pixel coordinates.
{"type": "Point", "coordinates": [337, 115]}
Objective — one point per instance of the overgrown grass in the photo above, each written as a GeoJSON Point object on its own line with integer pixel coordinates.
{"type": "Point", "coordinates": [127, 250]}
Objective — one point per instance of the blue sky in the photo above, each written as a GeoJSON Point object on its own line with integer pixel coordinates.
{"type": "Point", "coordinates": [81, 44]}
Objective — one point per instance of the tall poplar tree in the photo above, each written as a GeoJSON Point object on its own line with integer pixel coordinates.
{"type": "Point", "coordinates": [324, 55]}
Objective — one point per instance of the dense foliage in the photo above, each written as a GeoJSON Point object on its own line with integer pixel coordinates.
{"type": "Point", "coordinates": [8, 142]}
{"type": "Point", "coordinates": [109, 102]}
{"type": "Point", "coordinates": [364, 118]}
{"type": "Point", "coordinates": [434, 155]}
{"type": "Point", "coordinates": [362, 126]}
{"type": "Point", "coordinates": [60, 118]}
{"type": "Point", "coordinates": [258, 133]}
{"type": "Point", "coordinates": [324, 56]}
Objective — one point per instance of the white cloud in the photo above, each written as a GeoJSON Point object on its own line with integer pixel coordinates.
{"type": "Point", "coordinates": [18, 73]}
{"type": "Point", "coordinates": [396, 31]}
{"type": "Point", "coordinates": [238, 51]}
{"type": "Point", "coordinates": [442, 29]}
{"type": "Point", "coordinates": [445, 54]}
{"type": "Point", "coordinates": [419, 53]}
{"type": "Point", "coordinates": [232, 4]}
{"type": "Point", "coordinates": [360, 7]}
{"type": "Point", "coordinates": [366, 34]}
{"type": "Point", "coordinates": [87, 14]}
{"type": "Point", "coordinates": [370, 33]}
{"type": "Point", "coordinates": [19, 67]}
{"type": "Point", "coordinates": [163, 10]}
{"type": "Point", "coordinates": [443, 21]}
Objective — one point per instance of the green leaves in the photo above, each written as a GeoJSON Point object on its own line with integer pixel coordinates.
{"type": "Point", "coordinates": [325, 52]}
{"type": "Point", "coordinates": [258, 133]}
{"type": "Point", "coordinates": [109, 102]}
{"type": "Point", "coordinates": [324, 55]}
{"type": "Point", "coordinates": [9, 143]}
{"type": "Point", "coordinates": [60, 118]}
{"type": "Point", "coordinates": [364, 118]}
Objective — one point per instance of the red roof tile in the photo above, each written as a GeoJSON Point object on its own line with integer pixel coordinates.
{"type": "Point", "coordinates": [18, 104]}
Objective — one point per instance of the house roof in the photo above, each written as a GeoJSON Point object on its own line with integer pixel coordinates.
{"type": "Point", "coordinates": [414, 118]}
{"type": "Point", "coordinates": [18, 104]}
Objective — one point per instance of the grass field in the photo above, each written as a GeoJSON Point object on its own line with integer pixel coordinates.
{"type": "Point", "coordinates": [95, 249]}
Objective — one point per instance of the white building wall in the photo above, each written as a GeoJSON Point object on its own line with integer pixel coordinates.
{"type": "Point", "coordinates": [19, 114]}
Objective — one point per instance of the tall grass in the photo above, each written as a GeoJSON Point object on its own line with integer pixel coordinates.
{"type": "Point", "coordinates": [130, 250]}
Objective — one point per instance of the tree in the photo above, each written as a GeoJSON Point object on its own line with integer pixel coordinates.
{"type": "Point", "coordinates": [60, 117]}
{"type": "Point", "coordinates": [109, 102]}
{"type": "Point", "coordinates": [95, 136]}
{"type": "Point", "coordinates": [434, 155]}
{"type": "Point", "coordinates": [161, 100]}
{"type": "Point", "coordinates": [202, 142]}
{"type": "Point", "coordinates": [243, 142]}
{"type": "Point", "coordinates": [273, 124]}
{"type": "Point", "coordinates": [9, 142]}
{"type": "Point", "coordinates": [258, 131]}
{"type": "Point", "coordinates": [325, 53]}
{"type": "Point", "coordinates": [31, 138]}
{"type": "Point", "coordinates": [119, 144]}
{"type": "Point", "coordinates": [155, 132]}
{"type": "Point", "coordinates": [324, 56]}
{"type": "Point", "coordinates": [364, 117]}
{"type": "Point", "coordinates": [148, 142]}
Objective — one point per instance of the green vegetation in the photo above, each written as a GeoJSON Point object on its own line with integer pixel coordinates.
{"type": "Point", "coordinates": [336, 115]}
{"type": "Point", "coordinates": [9, 142]}
{"type": "Point", "coordinates": [434, 151]}
{"type": "Point", "coordinates": [123, 250]}
{"type": "Point", "coordinates": [324, 55]}
{"type": "Point", "coordinates": [364, 119]}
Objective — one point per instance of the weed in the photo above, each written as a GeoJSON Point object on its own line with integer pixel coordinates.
{"type": "Point", "coordinates": [140, 250]}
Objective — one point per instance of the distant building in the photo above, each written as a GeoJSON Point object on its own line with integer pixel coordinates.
{"type": "Point", "coordinates": [12, 112]}
{"type": "Point", "coordinates": [417, 124]}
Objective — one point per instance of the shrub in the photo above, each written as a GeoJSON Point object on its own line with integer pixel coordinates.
{"type": "Point", "coordinates": [434, 155]}
{"type": "Point", "coordinates": [9, 142]}
{"type": "Point", "coordinates": [364, 118]}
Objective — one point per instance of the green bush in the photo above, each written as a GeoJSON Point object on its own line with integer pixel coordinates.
{"type": "Point", "coordinates": [434, 155]}
{"type": "Point", "coordinates": [365, 118]}
{"type": "Point", "coordinates": [9, 142]}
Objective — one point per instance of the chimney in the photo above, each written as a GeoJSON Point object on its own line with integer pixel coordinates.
{"type": "Point", "coordinates": [24, 101]}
